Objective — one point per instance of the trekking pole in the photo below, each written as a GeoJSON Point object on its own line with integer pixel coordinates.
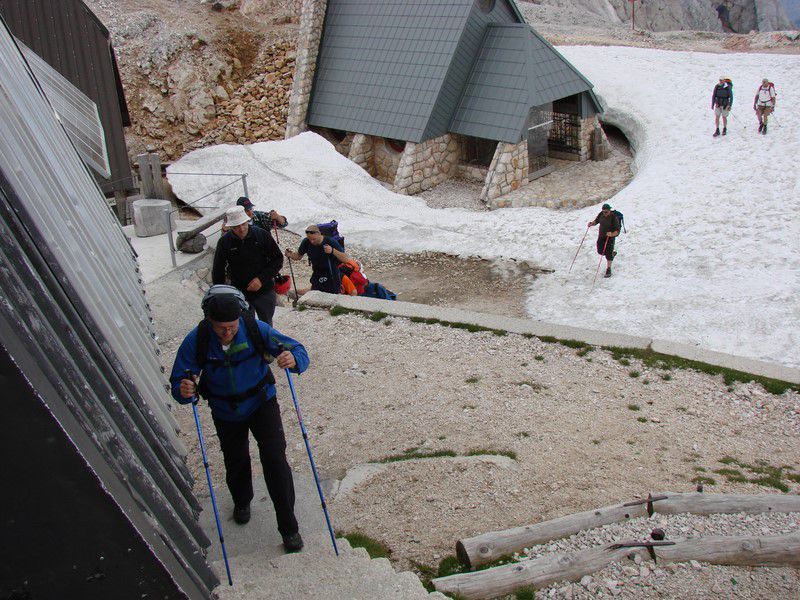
{"type": "Point", "coordinates": [291, 271]}
{"type": "Point", "coordinates": [188, 375]}
{"type": "Point", "coordinates": [578, 250]}
{"type": "Point", "coordinates": [310, 456]}
{"type": "Point", "coordinates": [600, 262]}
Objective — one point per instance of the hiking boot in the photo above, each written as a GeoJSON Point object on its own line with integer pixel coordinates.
{"type": "Point", "coordinates": [241, 514]}
{"type": "Point", "coordinates": [614, 254]}
{"type": "Point", "coordinates": [764, 130]}
{"type": "Point", "coordinates": [608, 273]}
{"type": "Point", "coordinates": [724, 131]}
{"type": "Point", "coordinates": [293, 542]}
{"type": "Point", "coordinates": [716, 133]}
{"type": "Point", "coordinates": [760, 127]}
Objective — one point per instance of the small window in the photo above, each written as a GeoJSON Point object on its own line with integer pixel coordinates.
{"type": "Point", "coordinates": [486, 6]}
{"type": "Point", "coordinates": [396, 145]}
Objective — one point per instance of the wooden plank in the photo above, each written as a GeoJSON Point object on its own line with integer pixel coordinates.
{"type": "Point", "coordinates": [709, 504]}
{"type": "Point", "coordinates": [773, 551]}
{"type": "Point", "coordinates": [485, 548]}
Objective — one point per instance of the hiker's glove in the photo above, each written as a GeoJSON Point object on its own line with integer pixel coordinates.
{"type": "Point", "coordinates": [328, 249]}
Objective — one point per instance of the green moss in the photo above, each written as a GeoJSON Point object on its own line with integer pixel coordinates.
{"type": "Point", "coordinates": [472, 379]}
{"type": "Point", "coordinates": [771, 481]}
{"type": "Point", "coordinates": [301, 308]}
{"type": "Point", "coordinates": [489, 452]}
{"type": "Point", "coordinates": [377, 316]}
{"type": "Point", "coordinates": [634, 374]}
{"type": "Point", "coordinates": [732, 475]}
{"type": "Point", "coordinates": [704, 479]}
{"type": "Point", "coordinates": [793, 477]}
{"type": "Point", "coordinates": [414, 454]}
{"type": "Point", "coordinates": [538, 357]}
{"type": "Point", "coordinates": [634, 407]}
{"type": "Point", "coordinates": [341, 310]}
{"type": "Point", "coordinates": [450, 565]}
{"type": "Point", "coordinates": [523, 434]}
{"type": "Point", "coordinates": [374, 548]}
{"type": "Point", "coordinates": [642, 419]}
{"type": "Point", "coordinates": [666, 377]}
{"type": "Point", "coordinates": [730, 376]}
{"type": "Point", "coordinates": [624, 362]}
{"type": "Point", "coordinates": [701, 469]}
{"type": "Point", "coordinates": [526, 593]}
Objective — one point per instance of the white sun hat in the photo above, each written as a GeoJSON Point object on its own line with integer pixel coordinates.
{"type": "Point", "coordinates": [236, 215]}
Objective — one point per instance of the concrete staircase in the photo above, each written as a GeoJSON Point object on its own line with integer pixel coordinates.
{"type": "Point", "coordinates": [262, 571]}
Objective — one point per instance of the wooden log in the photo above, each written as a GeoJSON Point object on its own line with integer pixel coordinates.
{"type": "Point", "coordinates": [202, 223]}
{"type": "Point", "coordinates": [774, 551]}
{"type": "Point", "coordinates": [743, 551]}
{"type": "Point", "coordinates": [485, 548]}
{"type": "Point", "coordinates": [710, 504]}
{"type": "Point", "coordinates": [537, 573]}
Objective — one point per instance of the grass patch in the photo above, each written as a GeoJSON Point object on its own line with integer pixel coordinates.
{"type": "Point", "coordinates": [701, 469]}
{"type": "Point", "coordinates": [548, 339]}
{"type": "Point", "coordinates": [642, 419]}
{"type": "Point", "coordinates": [374, 548]}
{"type": "Point", "coordinates": [526, 593]}
{"type": "Point", "coordinates": [732, 475]}
{"type": "Point", "coordinates": [730, 376]}
{"type": "Point", "coordinates": [474, 379]}
{"type": "Point", "coordinates": [414, 453]}
{"type": "Point", "coordinates": [634, 374]}
{"type": "Point", "coordinates": [634, 407]}
{"type": "Point", "coordinates": [704, 479]}
{"type": "Point", "coordinates": [666, 377]}
{"type": "Point", "coordinates": [646, 382]}
{"type": "Point", "coordinates": [523, 434]}
{"type": "Point", "coordinates": [596, 442]}
{"type": "Point", "coordinates": [378, 316]}
{"type": "Point", "coordinates": [584, 351]}
{"type": "Point", "coordinates": [486, 452]}
{"type": "Point", "coordinates": [793, 477]}
{"type": "Point", "coordinates": [301, 308]}
{"type": "Point", "coordinates": [538, 357]}
{"type": "Point", "coordinates": [761, 473]}
{"type": "Point", "coordinates": [387, 322]}
{"type": "Point", "coordinates": [624, 362]}
{"type": "Point", "coordinates": [341, 310]}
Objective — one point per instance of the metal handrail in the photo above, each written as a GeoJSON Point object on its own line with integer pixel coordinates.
{"type": "Point", "coordinates": [168, 213]}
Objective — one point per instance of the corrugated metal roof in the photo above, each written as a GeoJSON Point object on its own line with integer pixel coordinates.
{"type": "Point", "coordinates": [77, 113]}
{"type": "Point", "coordinates": [515, 70]}
{"type": "Point", "coordinates": [71, 296]}
{"type": "Point", "coordinates": [71, 39]}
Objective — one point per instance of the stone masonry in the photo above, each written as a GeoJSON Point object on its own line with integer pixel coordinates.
{"type": "Point", "coordinates": [312, 19]}
{"type": "Point", "coordinates": [427, 164]}
{"type": "Point", "coordinates": [362, 152]}
{"type": "Point", "coordinates": [508, 171]}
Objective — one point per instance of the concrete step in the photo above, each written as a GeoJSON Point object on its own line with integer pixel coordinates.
{"type": "Point", "coordinates": [262, 571]}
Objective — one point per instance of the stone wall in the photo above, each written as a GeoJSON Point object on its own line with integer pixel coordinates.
{"type": "Point", "coordinates": [427, 164]}
{"type": "Point", "coordinates": [508, 171]}
{"type": "Point", "coordinates": [312, 18]}
{"type": "Point", "coordinates": [362, 152]}
{"type": "Point", "coordinates": [341, 146]}
{"type": "Point", "coordinates": [471, 172]}
{"type": "Point", "coordinates": [386, 160]}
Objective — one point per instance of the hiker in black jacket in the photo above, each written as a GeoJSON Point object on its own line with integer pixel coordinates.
{"type": "Point", "coordinates": [609, 229]}
{"type": "Point", "coordinates": [721, 103]}
{"type": "Point", "coordinates": [253, 258]}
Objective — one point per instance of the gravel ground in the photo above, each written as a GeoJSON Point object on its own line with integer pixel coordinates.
{"type": "Point", "coordinates": [584, 431]}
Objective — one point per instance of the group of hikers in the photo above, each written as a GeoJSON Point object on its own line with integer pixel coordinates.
{"type": "Point", "coordinates": [722, 102]}
{"type": "Point", "coordinates": [225, 359]}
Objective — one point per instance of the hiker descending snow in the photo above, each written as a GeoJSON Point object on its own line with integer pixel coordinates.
{"type": "Point", "coordinates": [721, 103]}
{"type": "Point", "coordinates": [764, 104]}
{"type": "Point", "coordinates": [610, 224]}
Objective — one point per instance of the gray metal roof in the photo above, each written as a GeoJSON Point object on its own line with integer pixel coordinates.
{"type": "Point", "coordinates": [415, 69]}
{"type": "Point", "coordinates": [73, 310]}
{"type": "Point", "coordinates": [515, 70]}
{"type": "Point", "coordinates": [70, 38]}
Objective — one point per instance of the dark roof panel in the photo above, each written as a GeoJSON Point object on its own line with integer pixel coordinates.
{"type": "Point", "coordinates": [515, 70]}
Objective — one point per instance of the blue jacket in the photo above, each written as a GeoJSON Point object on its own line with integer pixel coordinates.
{"type": "Point", "coordinates": [235, 371]}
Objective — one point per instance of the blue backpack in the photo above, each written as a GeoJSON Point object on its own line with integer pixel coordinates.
{"type": "Point", "coordinates": [376, 290]}
{"type": "Point", "coordinates": [621, 220]}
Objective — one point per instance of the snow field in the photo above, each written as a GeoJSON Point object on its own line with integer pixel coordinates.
{"type": "Point", "coordinates": [711, 256]}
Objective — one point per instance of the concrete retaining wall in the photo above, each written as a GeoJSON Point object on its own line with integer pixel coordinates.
{"type": "Point", "coordinates": [562, 332]}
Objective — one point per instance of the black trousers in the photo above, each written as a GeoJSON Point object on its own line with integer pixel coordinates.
{"type": "Point", "coordinates": [267, 429]}
{"type": "Point", "coordinates": [606, 248]}
{"type": "Point", "coordinates": [263, 303]}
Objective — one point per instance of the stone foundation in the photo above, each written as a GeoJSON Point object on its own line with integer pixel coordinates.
{"type": "Point", "coordinates": [427, 164]}
{"type": "Point", "coordinates": [386, 160]}
{"type": "Point", "coordinates": [472, 172]}
{"type": "Point", "coordinates": [312, 18]}
{"type": "Point", "coordinates": [362, 152]}
{"type": "Point", "coordinates": [508, 171]}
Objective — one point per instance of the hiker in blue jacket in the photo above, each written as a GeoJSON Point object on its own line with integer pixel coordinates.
{"type": "Point", "coordinates": [240, 389]}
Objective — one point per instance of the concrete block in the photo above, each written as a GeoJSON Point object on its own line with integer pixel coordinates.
{"type": "Point", "coordinates": [149, 217]}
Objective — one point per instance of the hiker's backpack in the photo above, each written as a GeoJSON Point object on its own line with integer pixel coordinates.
{"type": "Point", "coordinates": [621, 220]}
{"type": "Point", "coordinates": [353, 272]}
{"type": "Point", "coordinates": [331, 230]}
{"type": "Point", "coordinates": [253, 336]}
{"type": "Point", "coordinates": [376, 290]}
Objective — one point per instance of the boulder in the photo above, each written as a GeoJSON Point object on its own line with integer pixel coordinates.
{"type": "Point", "coordinates": [193, 244]}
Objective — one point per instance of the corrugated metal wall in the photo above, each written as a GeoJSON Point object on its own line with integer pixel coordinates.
{"type": "Point", "coordinates": [71, 296]}
{"type": "Point", "coordinates": [74, 42]}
